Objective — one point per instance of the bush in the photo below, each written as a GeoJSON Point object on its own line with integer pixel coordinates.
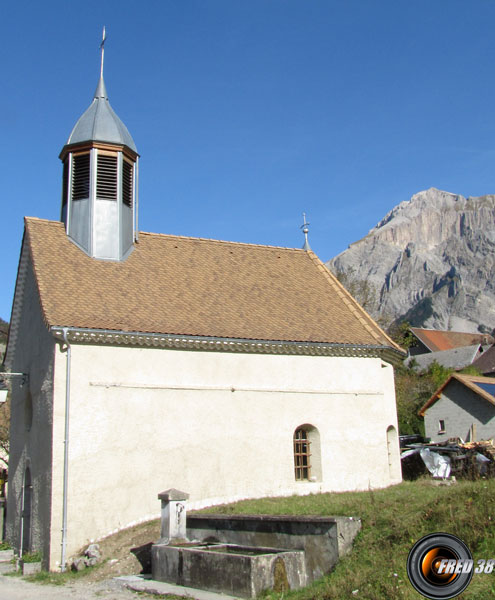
{"type": "Point", "coordinates": [31, 557]}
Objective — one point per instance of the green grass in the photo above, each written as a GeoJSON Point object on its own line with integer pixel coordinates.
{"type": "Point", "coordinates": [58, 578]}
{"type": "Point", "coordinates": [393, 520]}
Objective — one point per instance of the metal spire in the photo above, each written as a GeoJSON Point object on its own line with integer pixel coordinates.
{"type": "Point", "coordinates": [102, 47]}
{"type": "Point", "coordinates": [305, 230]}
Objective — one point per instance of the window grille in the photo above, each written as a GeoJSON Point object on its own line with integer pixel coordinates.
{"type": "Point", "coordinates": [80, 177]}
{"type": "Point", "coordinates": [106, 179]}
{"type": "Point", "coordinates": [302, 455]}
{"type": "Point", "coordinates": [127, 172]}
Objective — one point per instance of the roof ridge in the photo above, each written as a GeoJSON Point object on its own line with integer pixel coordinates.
{"type": "Point", "coordinates": [50, 221]}
{"type": "Point", "coordinates": [364, 318]}
{"type": "Point", "coordinates": [202, 239]}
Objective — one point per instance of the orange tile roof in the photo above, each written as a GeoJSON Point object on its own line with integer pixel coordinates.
{"type": "Point", "coordinates": [446, 340]}
{"type": "Point", "coordinates": [197, 287]}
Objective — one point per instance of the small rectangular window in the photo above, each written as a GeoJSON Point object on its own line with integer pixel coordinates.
{"type": "Point", "coordinates": [441, 426]}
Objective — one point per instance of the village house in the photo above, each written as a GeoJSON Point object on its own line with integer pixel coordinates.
{"type": "Point", "coordinates": [155, 361]}
{"type": "Point", "coordinates": [435, 340]}
{"type": "Point", "coordinates": [463, 407]}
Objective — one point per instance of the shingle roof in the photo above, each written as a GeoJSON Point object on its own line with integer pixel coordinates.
{"type": "Point", "coordinates": [446, 340]}
{"type": "Point", "coordinates": [198, 287]}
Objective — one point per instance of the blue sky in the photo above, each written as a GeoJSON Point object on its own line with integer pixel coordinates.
{"type": "Point", "coordinates": [247, 113]}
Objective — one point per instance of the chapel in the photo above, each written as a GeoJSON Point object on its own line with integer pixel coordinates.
{"type": "Point", "coordinates": [154, 361]}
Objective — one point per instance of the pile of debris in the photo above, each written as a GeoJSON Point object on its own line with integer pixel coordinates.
{"type": "Point", "coordinates": [446, 459]}
{"type": "Point", "coordinates": [90, 558]}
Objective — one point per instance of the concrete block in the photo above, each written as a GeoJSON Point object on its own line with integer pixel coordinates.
{"type": "Point", "coordinates": [6, 555]}
{"type": "Point", "coordinates": [30, 568]}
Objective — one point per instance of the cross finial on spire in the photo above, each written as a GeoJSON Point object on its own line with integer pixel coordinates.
{"type": "Point", "coordinates": [102, 47]}
{"type": "Point", "coordinates": [305, 230]}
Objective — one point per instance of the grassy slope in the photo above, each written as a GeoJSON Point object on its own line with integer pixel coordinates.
{"type": "Point", "coordinates": [393, 520]}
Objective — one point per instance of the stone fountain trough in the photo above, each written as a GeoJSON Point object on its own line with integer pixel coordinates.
{"type": "Point", "coordinates": [244, 571]}
{"type": "Point", "coordinates": [244, 555]}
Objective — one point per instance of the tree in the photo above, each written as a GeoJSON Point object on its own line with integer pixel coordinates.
{"type": "Point", "coordinates": [360, 289]}
{"type": "Point", "coordinates": [400, 332]}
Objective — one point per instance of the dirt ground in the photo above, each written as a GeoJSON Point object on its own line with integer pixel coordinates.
{"type": "Point", "coordinates": [16, 588]}
{"type": "Point", "coordinates": [126, 552]}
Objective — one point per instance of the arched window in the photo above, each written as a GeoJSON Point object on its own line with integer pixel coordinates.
{"type": "Point", "coordinates": [307, 453]}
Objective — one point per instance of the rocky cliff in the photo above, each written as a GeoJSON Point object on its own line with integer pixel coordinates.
{"type": "Point", "coordinates": [430, 260]}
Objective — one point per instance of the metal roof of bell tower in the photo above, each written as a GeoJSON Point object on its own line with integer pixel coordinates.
{"type": "Point", "coordinates": [99, 123]}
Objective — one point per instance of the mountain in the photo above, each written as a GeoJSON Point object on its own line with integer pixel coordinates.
{"type": "Point", "coordinates": [430, 260]}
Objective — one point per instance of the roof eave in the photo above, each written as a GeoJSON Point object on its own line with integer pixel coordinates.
{"type": "Point", "coordinates": [81, 146]}
{"type": "Point", "coordinates": [219, 344]}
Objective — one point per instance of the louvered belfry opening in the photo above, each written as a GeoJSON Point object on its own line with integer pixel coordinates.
{"type": "Point", "coordinates": [107, 177]}
{"type": "Point", "coordinates": [127, 183]}
{"type": "Point", "coordinates": [80, 176]}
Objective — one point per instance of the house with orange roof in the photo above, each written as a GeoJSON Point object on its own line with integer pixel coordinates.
{"type": "Point", "coordinates": [157, 361]}
{"type": "Point", "coordinates": [433, 340]}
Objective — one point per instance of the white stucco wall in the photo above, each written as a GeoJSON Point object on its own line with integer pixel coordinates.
{"type": "Point", "coordinates": [216, 425]}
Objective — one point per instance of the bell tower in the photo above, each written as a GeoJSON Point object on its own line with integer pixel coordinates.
{"type": "Point", "coordinates": [100, 174]}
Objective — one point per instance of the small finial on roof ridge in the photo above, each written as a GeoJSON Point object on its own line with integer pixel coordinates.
{"type": "Point", "coordinates": [305, 230]}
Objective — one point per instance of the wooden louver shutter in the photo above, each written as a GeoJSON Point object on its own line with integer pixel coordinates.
{"type": "Point", "coordinates": [106, 178]}
{"type": "Point", "coordinates": [127, 172]}
{"type": "Point", "coordinates": [80, 177]}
